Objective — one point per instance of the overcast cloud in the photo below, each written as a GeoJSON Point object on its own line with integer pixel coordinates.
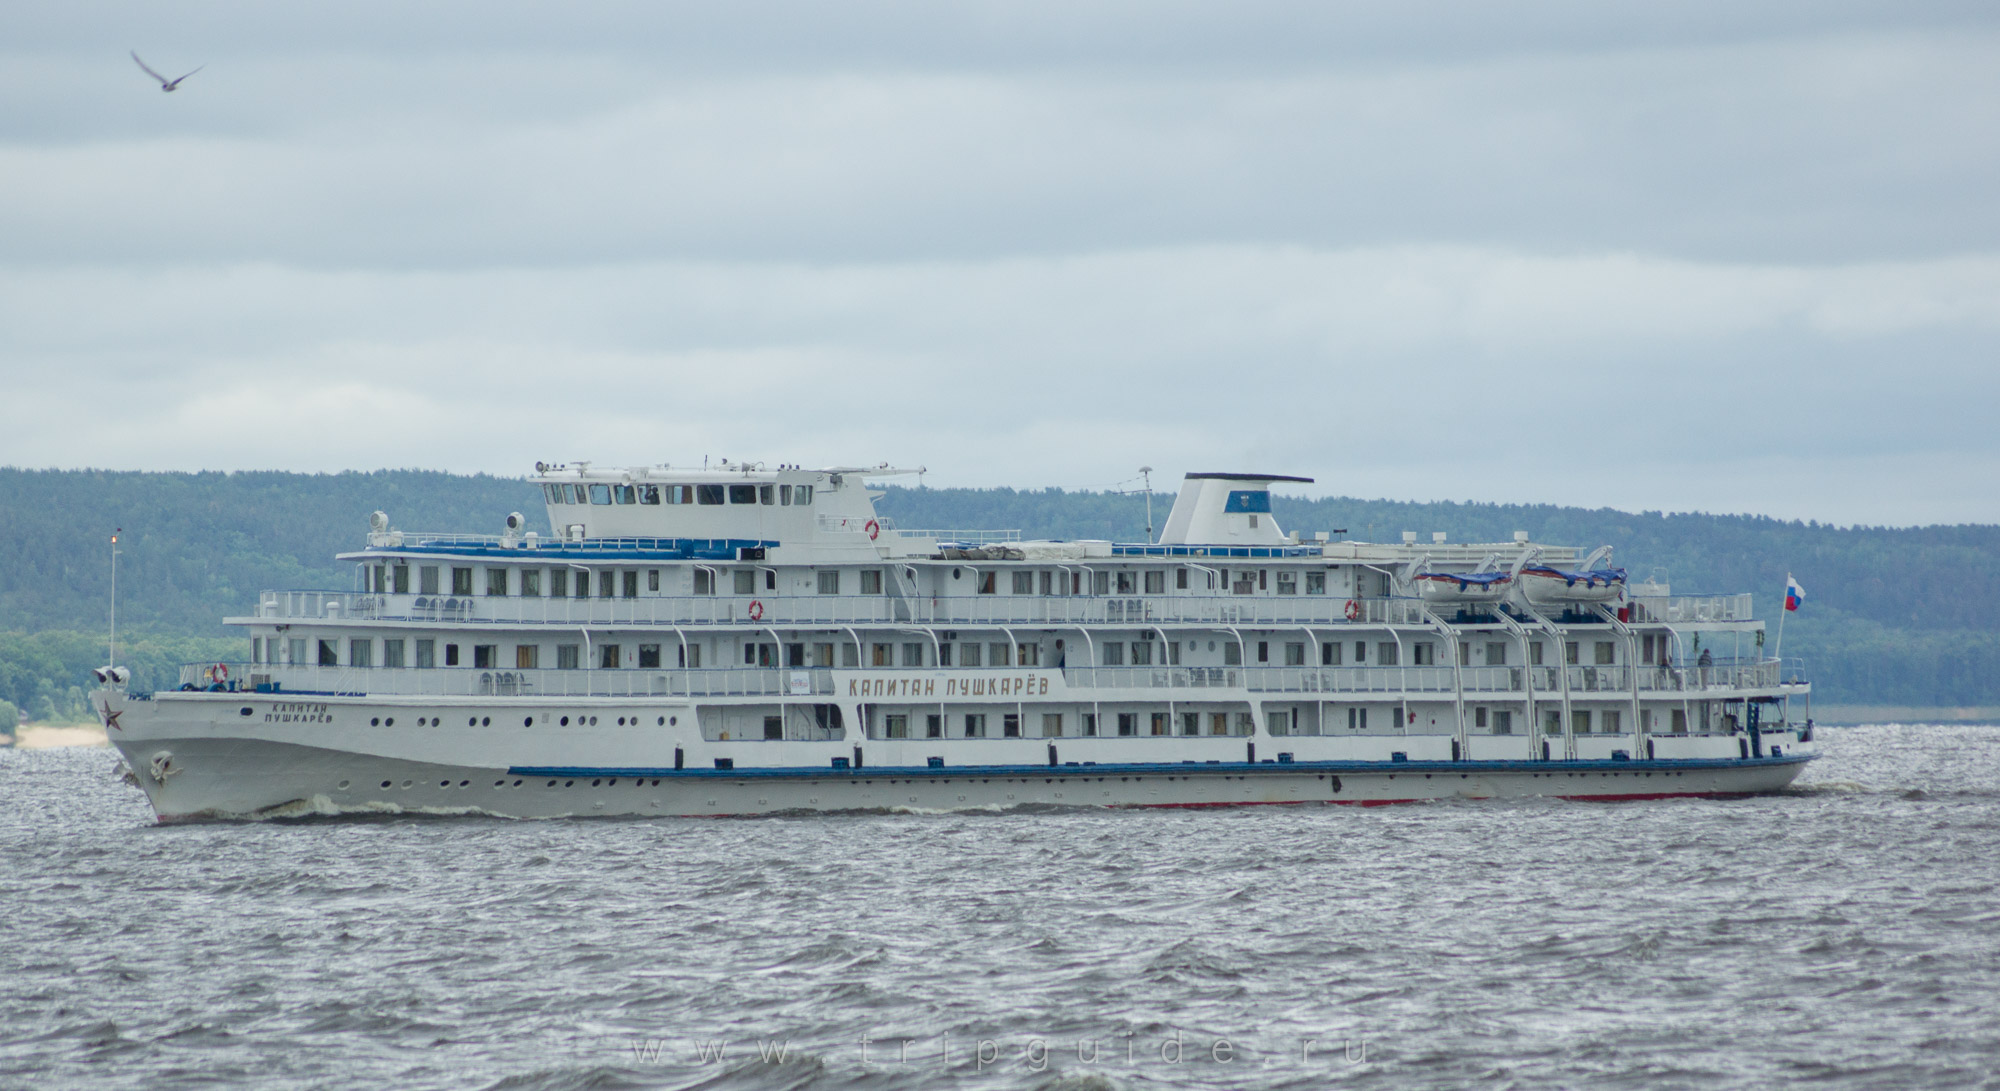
{"type": "Point", "coordinates": [1688, 258]}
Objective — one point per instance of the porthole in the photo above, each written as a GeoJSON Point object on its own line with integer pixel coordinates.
{"type": "Point", "coordinates": [527, 721]}
{"type": "Point", "coordinates": [444, 784]}
{"type": "Point", "coordinates": [565, 721]}
{"type": "Point", "coordinates": [596, 783]}
{"type": "Point", "coordinates": [389, 722]}
{"type": "Point", "coordinates": [593, 721]}
{"type": "Point", "coordinates": [569, 784]}
{"type": "Point", "coordinates": [408, 784]}
{"type": "Point", "coordinates": [517, 784]}
{"type": "Point", "coordinates": [613, 784]}
{"type": "Point", "coordinates": [486, 721]}
{"type": "Point", "coordinates": [621, 721]}
{"type": "Point", "coordinates": [385, 784]}
{"type": "Point", "coordinates": [374, 721]}
{"type": "Point", "coordinates": [499, 784]}
{"type": "Point", "coordinates": [552, 784]}
{"type": "Point", "coordinates": [343, 786]}
{"type": "Point", "coordinates": [465, 784]}
{"type": "Point", "coordinates": [663, 721]}
{"type": "Point", "coordinates": [472, 721]}
{"type": "Point", "coordinates": [673, 720]}
{"type": "Point", "coordinates": [244, 711]}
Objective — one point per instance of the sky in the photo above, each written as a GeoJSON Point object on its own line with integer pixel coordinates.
{"type": "Point", "coordinates": [1693, 257]}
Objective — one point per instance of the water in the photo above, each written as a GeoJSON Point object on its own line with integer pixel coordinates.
{"type": "Point", "coordinates": [1846, 933]}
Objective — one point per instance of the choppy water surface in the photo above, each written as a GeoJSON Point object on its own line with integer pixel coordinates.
{"type": "Point", "coordinates": [1846, 933]}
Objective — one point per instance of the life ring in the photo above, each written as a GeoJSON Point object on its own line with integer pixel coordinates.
{"type": "Point", "coordinates": [756, 610]}
{"type": "Point", "coordinates": [1353, 610]}
{"type": "Point", "coordinates": [219, 673]}
{"type": "Point", "coordinates": [873, 528]}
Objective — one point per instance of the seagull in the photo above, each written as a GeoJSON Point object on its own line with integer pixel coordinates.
{"type": "Point", "coordinates": [165, 83]}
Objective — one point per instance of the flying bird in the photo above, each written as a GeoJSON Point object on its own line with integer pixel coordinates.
{"type": "Point", "coordinates": [165, 83]}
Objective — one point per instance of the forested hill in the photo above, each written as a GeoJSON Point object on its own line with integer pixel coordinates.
{"type": "Point", "coordinates": [1895, 616]}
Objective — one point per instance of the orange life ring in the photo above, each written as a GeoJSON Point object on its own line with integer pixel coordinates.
{"type": "Point", "coordinates": [873, 528]}
{"type": "Point", "coordinates": [756, 610]}
{"type": "Point", "coordinates": [219, 673]}
{"type": "Point", "coordinates": [1353, 610]}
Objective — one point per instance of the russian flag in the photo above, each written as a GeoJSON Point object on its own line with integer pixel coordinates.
{"type": "Point", "coordinates": [1794, 594]}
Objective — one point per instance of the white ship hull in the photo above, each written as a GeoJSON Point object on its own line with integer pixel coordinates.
{"type": "Point", "coordinates": [198, 757]}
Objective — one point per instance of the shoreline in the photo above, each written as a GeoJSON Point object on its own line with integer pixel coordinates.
{"type": "Point", "coordinates": [1851, 715]}
{"type": "Point", "coordinates": [50, 736]}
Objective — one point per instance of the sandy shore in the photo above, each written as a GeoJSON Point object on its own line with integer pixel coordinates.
{"type": "Point", "coordinates": [42, 736]}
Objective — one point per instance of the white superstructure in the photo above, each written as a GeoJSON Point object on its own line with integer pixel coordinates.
{"type": "Point", "coordinates": [745, 639]}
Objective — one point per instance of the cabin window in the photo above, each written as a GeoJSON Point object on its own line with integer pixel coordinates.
{"type": "Point", "coordinates": [1535, 653]}
{"type": "Point", "coordinates": [871, 581]}
{"type": "Point", "coordinates": [987, 585]}
{"type": "Point", "coordinates": [1030, 655]}
{"type": "Point", "coordinates": [600, 494]}
{"type": "Point", "coordinates": [606, 584]}
{"type": "Point", "coordinates": [1386, 654]}
{"type": "Point", "coordinates": [822, 655]}
{"type": "Point", "coordinates": [1180, 579]}
{"type": "Point", "coordinates": [625, 494]}
{"type": "Point", "coordinates": [609, 656]}
{"type": "Point", "coordinates": [1423, 654]}
{"type": "Point", "coordinates": [461, 581]}
{"type": "Point", "coordinates": [802, 494]}
{"type": "Point", "coordinates": [1552, 722]}
{"type": "Point", "coordinates": [708, 494]}
{"type": "Point", "coordinates": [975, 725]}
{"type": "Point", "coordinates": [879, 655]}
{"type": "Point", "coordinates": [934, 726]}
{"type": "Point", "coordinates": [1263, 651]}
{"type": "Point", "coordinates": [1190, 723]}
{"type": "Point", "coordinates": [485, 656]}
{"type": "Point", "coordinates": [558, 583]}
{"type": "Point", "coordinates": [1496, 653]}
{"type": "Point", "coordinates": [1315, 583]}
{"type": "Point", "coordinates": [1051, 725]}
{"type": "Point", "coordinates": [850, 655]}
{"type": "Point", "coordinates": [1503, 721]}
{"type": "Point", "coordinates": [1608, 721]}
{"type": "Point", "coordinates": [1606, 653]}
{"type": "Point", "coordinates": [1100, 583]}
{"type": "Point", "coordinates": [568, 656]}
{"type": "Point", "coordinates": [829, 583]}
{"type": "Point", "coordinates": [329, 654]}
{"type": "Point", "coordinates": [1218, 723]}
{"type": "Point", "coordinates": [496, 581]}
{"type": "Point", "coordinates": [999, 654]}
{"type": "Point", "coordinates": [1024, 583]}
{"type": "Point", "coordinates": [1295, 654]}
{"type": "Point", "coordinates": [1010, 726]}
{"type": "Point", "coordinates": [1232, 654]}
{"type": "Point", "coordinates": [401, 575]}
{"type": "Point", "coordinates": [766, 495]}
{"type": "Point", "coordinates": [1128, 723]}
{"type": "Point", "coordinates": [1280, 722]}
{"type": "Point", "coordinates": [1357, 719]}
{"type": "Point", "coordinates": [649, 494]}
{"type": "Point", "coordinates": [527, 657]}
{"type": "Point", "coordinates": [630, 584]}
{"type": "Point", "coordinates": [1360, 652]}
{"type": "Point", "coordinates": [1680, 724]}
{"type": "Point", "coordinates": [649, 655]}
{"type": "Point", "coordinates": [1156, 583]}
{"type": "Point", "coordinates": [743, 494]}
{"type": "Point", "coordinates": [746, 581]}
{"type": "Point", "coordinates": [652, 579]}
{"type": "Point", "coordinates": [968, 655]}
{"type": "Point", "coordinates": [1288, 583]}
{"type": "Point", "coordinates": [1113, 653]}
{"type": "Point", "coordinates": [531, 583]}
{"type": "Point", "coordinates": [896, 726]}
{"type": "Point", "coordinates": [392, 652]}
{"type": "Point", "coordinates": [1089, 722]}
{"type": "Point", "coordinates": [795, 655]}
{"type": "Point", "coordinates": [1580, 721]}
{"type": "Point", "coordinates": [913, 654]}
{"type": "Point", "coordinates": [361, 652]}
{"type": "Point", "coordinates": [704, 582]}
{"type": "Point", "coordinates": [427, 580]}
{"type": "Point", "coordinates": [1569, 652]}
{"type": "Point", "coordinates": [1142, 653]}
{"type": "Point", "coordinates": [770, 579]}
{"type": "Point", "coordinates": [689, 655]}
{"type": "Point", "coordinates": [426, 654]}
{"type": "Point", "coordinates": [1127, 582]}
{"type": "Point", "coordinates": [1329, 654]}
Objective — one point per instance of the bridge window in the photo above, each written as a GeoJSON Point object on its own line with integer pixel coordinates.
{"type": "Point", "coordinates": [708, 494]}
{"type": "Point", "coordinates": [765, 495]}
{"type": "Point", "coordinates": [600, 494]}
{"type": "Point", "coordinates": [625, 494]}
{"type": "Point", "coordinates": [649, 494]}
{"type": "Point", "coordinates": [743, 494]}
{"type": "Point", "coordinates": [679, 494]}
{"type": "Point", "coordinates": [555, 494]}
{"type": "Point", "coordinates": [577, 494]}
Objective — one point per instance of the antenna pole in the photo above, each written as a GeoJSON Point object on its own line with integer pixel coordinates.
{"type": "Point", "coordinates": [1146, 472]}
{"type": "Point", "coordinates": [114, 595]}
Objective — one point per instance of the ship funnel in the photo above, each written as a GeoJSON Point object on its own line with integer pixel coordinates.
{"type": "Point", "coordinates": [1225, 509]}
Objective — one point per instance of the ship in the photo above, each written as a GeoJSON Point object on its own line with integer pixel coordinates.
{"type": "Point", "coordinates": [743, 639]}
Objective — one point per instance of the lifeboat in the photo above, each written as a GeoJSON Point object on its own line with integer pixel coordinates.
{"type": "Point", "coordinates": [1462, 586]}
{"type": "Point", "coordinates": [1544, 583]}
